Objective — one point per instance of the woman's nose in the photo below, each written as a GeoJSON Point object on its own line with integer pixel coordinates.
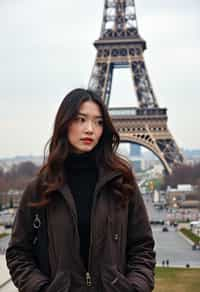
{"type": "Point", "coordinates": [89, 127]}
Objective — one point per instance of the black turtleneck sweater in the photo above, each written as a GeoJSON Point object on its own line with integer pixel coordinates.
{"type": "Point", "coordinates": [81, 172]}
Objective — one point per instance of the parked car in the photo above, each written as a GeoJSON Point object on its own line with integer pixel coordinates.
{"type": "Point", "coordinates": [165, 229]}
{"type": "Point", "coordinates": [196, 246]}
{"type": "Point", "coordinates": [8, 225]}
{"type": "Point", "coordinates": [157, 222]}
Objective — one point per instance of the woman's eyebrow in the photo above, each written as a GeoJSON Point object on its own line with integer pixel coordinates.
{"type": "Point", "coordinates": [86, 115]}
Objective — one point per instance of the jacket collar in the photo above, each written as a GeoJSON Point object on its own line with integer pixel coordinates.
{"type": "Point", "coordinates": [103, 178]}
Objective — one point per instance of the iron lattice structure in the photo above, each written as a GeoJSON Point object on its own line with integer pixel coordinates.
{"type": "Point", "coordinates": [121, 46]}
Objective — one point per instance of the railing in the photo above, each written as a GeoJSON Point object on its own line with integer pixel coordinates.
{"type": "Point", "coordinates": [134, 111]}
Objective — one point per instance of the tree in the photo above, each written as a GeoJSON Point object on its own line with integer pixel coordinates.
{"type": "Point", "coordinates": [184, 174]}
{"type": "Point", "coordinates": [18, 176]}
{"type": "Point", "coordinates": [27, 169]}
{"type": "Point", "coordinates": [1, 172]}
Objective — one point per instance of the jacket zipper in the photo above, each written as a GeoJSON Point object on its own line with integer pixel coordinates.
{"type": "Point", "coordinates": [88, 276]}
{"type": "Point", "coordinates": [88, 279]}
{"type": "Point", "coordinates": [88, 273]}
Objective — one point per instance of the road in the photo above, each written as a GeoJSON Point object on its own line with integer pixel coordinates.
{"type": "Point", "coordinates": [4, 243]}
{"type": "Point", "coordinates": [170, 245]}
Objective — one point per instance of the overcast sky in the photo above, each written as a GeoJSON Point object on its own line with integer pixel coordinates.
{"type": "Point", "coordinates": [46, 49]}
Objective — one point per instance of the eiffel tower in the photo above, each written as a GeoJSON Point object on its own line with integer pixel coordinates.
{"type": "Point", "coordinates": [120, 46]}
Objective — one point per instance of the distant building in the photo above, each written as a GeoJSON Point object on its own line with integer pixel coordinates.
{"type": "Point", "coordinates": [192, 154]}
{"type": "Point", "coordinates": [156, 196]}
{"type": "Point", "coordinates": [184, 196]}
{"type": "Point", "coordinates": [137, 165]}
{"type": "Point", "coordinates": [193, 162]}
{"type": "Point", "coordinates": [190, 204]}
{"type": "Point", "coordinates": [10, 198]}
{"type": "Point", "coordinates": [135, 157]}
{"type": "Point", "coordinates": [151, 163]}
{"type": "Point", "coordinates": [185, 188]}
{"type": "Point", "coordinates": [135, 150]}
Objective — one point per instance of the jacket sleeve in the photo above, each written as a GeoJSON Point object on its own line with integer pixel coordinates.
{"type": "Point", "coordinates": [19, 255]}
{"type": "Point", "coordinates": [140, 247]}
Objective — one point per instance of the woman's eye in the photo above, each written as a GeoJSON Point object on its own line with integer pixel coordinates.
{"type": "Point", "coordinates": [100, 122]}
{"type": "Point", "coordinates": [80, 119]}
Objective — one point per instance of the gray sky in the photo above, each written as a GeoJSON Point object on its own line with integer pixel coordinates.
{"type": "Point", "coordinates": [46, 50]}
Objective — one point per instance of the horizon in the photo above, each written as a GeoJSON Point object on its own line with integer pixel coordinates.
{"type": "Point", "coordinates": [41, 156]}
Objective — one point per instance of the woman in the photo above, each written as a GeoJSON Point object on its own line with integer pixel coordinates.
{"type": "Point", "coordinates": [81, 225]}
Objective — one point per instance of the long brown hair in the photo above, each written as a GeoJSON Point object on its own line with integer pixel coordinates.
{"type": "Point", "coordinates": [52, 173]}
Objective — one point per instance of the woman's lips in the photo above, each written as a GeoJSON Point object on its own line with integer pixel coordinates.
{"type": "Point", "coordinates": [87, 141]}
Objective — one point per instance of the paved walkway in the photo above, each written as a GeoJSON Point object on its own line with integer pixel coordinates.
{"type": "Point", "coordinates": [6, 284]}
{"type": "Point", "coordinates": [4, 274]}
{"type": "Point", "coordinates": [172, 246]}
{"type": "Point", "coordinates": [8, 287]}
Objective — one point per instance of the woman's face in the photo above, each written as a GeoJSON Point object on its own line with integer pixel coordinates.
{"type": "Point", "coordinates": [85, 130]}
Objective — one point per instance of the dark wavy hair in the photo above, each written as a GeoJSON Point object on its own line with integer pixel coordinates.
{"type": "Point", "coordinates": [52, 173]}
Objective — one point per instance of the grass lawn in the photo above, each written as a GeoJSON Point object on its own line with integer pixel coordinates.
{"type": "Point", "coordinates": [177, 280]}
{"type": "Point", "coordinates": [195, 238]}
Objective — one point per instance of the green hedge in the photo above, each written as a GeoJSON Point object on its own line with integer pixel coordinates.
{"type": "Point", "coordinates": [3, 234]}
{"type": "Point", "coordinates": [195, 238]}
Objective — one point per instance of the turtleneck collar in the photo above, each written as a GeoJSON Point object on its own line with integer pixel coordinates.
{"type": "Point", "coordinates": [83, 160]}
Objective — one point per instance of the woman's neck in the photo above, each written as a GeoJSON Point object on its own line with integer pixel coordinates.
{"type": "Point", "coordinates": [81, 160]}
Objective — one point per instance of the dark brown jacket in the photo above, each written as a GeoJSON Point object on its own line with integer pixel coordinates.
{"type": "Point", "coordinates": [121, 257]}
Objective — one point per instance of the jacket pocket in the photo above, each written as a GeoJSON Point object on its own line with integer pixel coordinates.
{"type": "Point", "coordinates": [61, 282]}
{"type": "Point", "coordinates": [114, 281]}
